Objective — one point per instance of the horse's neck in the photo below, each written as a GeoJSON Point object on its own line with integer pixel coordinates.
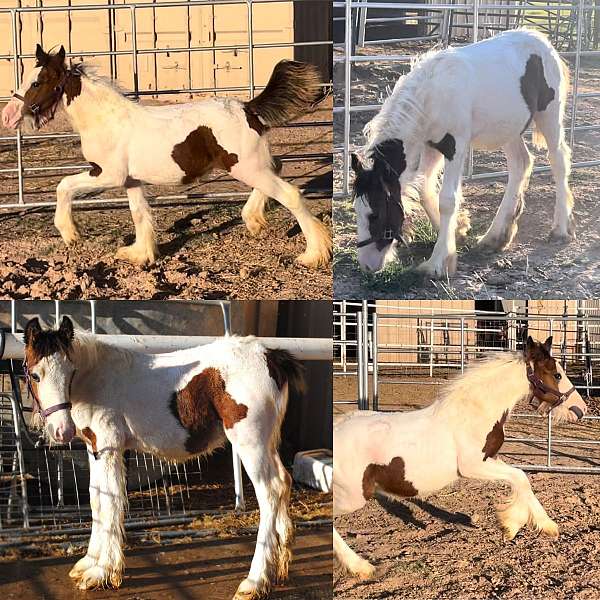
{"type": "Point", "coordinates": [98, 105]}
{"type": "Point", "coordinates": [487, 391]}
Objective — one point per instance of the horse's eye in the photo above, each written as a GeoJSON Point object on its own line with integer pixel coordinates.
{"type": "Point", "coordinates": [35, 377]}
{"type": "Point", "coordinates": [35, 84]}
{"type": "Point", "coordinates": [557, 376]}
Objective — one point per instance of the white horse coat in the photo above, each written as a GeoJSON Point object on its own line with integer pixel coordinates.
{"type": "Point", "coordinates": [485, 95]}
{"type": "Point", "coordinates": [417, 453]}
{"type": "Point", "coordinates": [176, 406]}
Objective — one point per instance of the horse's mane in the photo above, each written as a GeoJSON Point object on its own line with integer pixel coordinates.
{"type": "Point", "coordinates": [402, 112]}
{"type": "Point", "coordinates": [495, 383]}
{"type": "Point", "coordinates": [90, 72]}
{"type": "Point", "coordinates": [90, 350]}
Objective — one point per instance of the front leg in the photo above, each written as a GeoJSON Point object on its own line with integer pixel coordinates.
{"type": "Point", "coordinates": [93, 552]}
{"type": "Point", "coordinates": [108, 570]}
{"type": "Point", "coordinates": [443, 259]}
{"type": "Point", "coordinates": [75, 185]}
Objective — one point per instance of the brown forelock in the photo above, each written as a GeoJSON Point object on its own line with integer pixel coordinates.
{"type": "Point", "coordinates": [202, 406]}
{"type": "Point", "coordinates": [199, 153]}
{"type": "Point", "coordinates": [495, 438]}
{"type": "Point", "coordinates": [388, 478]}
{"type": "Point", "coordinates": [46, 343]}
{"type": "Point", "coordinates": [544, 366]}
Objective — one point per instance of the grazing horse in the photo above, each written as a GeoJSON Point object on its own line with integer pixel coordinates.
{"type": "Point", "coordinates": [419, 452]}
{"type": "Point", "coordinates": [176, 405]}
{"type": "Point", "coordinates": [128, 144]}
{"type": "Point", "coordinates": [486, 95]}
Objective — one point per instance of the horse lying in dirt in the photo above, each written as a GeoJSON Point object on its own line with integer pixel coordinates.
{"type": "Point", "coordinates": [417, 453]}
{"type": "Point", "coordinates": [176, 405]}
{"type": "Point", "coordinates": [485, 95]}
{"type": "Point", "coordinates": [128, 144]}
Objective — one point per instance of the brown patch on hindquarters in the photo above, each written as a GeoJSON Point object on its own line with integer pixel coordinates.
{"type": "Point", "coordinates": [388, 478]}
{"type": "Point", "coordinates": [534, 88]}
{"type": "Point", "coordinates": [495, 438]}
{"type": "Point", "coordinates": [204, 407]}
{"type": "Point", "coordinates": [199, 153]}
{"type": "Point", "coordinates": [90, 437]}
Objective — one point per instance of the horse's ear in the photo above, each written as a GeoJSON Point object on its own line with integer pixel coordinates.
{"type": "Point", "coordinates": [32, 330]}
{"type": "Point", "coordinates": [356, 164]}
{"type": "Point", "coordinates": [548, 345]}
{"type": "Point", "coordinates": [528, 346]}
{"type": "Point", "coordinates": [66, 329]}
{"type": "Point", "coordinates": [41, 57]}
{"type": "Point", "coordinates": [60, 55]}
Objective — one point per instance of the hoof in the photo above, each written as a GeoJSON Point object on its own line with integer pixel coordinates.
{"type": "Point", "coordinates": [99, 577]}
{"type": "Point", "coordinates": [439, 269]}
{"type": "Point", "coordinates": [559, 236]}
{"type": "Point", "coordinates": [69, 233]}
{"type": "Point", "coordinates": [364, 570]}
{"type": "Point", "coordinates": [82, 565]}
{"type": "Point", "coordinates": [510, 532]}
{"type": "Point", "coordinates": [249, 591]}
{"type": "Point", "coordinates": [254, 223]}
{"type": "Point", "coordinates": [549, 528]}
{"type": "Point", "coordinates": [138, 255]}
{"type": "Point", "coordinates": [319, 247]}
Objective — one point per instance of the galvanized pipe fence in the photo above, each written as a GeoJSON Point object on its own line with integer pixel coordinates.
{"type": "Point", "coordinates": [439, 17]}
{"type": "Point", "coordinates": [44, 486]}
{"type": "Point", "coordinates": [406, 347]}
{"type": "Point", "coordinates": [18, 54]}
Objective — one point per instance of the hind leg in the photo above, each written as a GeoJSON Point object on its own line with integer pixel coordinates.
{"type": "Point", "coordinates": [504, 226]}
{"type": "Point", "coordinates": [144, 250]}
{"type": "Point", "coordinates": [349, 559]}
{"type": "Point", "coordinates": [318, 238]}
{"type": "Point", "coordinates": [253, 212]}
{"type": "Point", "coordinates": [559, 154]}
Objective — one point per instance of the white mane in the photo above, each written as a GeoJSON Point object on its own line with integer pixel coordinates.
{"type": "Point", "coordinates": [89, 350]}
{"type": "Point", "coordinates": [402, 113]}
{"type": "Point", "coordinates": [493, 384]}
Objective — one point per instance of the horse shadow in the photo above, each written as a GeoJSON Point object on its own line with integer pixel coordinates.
{"type": "Point", "coordinates": [407, 516]}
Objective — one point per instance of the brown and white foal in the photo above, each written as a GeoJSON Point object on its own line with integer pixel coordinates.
{"type": "Point", "coordinates": [129, 144]}
{"type": "Point", "coordinates": [176, 406]}
{"type": "Point", "coordinates": [417, 453]}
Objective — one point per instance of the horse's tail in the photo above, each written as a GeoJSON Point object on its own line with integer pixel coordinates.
{"type": "Point", "coordinates": [294, 87]}
{"type": "Point", "coordinates": [288, 373]}
{"type": "Point", "coordinates": [537, 137]}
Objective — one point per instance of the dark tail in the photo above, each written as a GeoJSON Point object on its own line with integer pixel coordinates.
{"type": "Point", "coordinates": [286, 368]}
{"type": "Point", "coordinates": [292, 90]}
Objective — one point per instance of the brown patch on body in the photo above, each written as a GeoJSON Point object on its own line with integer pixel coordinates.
{"type": "Point", "coordinates": [95, 170]}
{"type": "Point", "coordinates": [204, 407]}
{"type": "Point", "coordinates": [90, 438]}
{"type": "Point", "coordinates": [130, 182]}
{"type": "Point", "coordinates": [534, 88]}
{"type": "Point", "coordinates": [495, 438]}
{"type": "Point", "coordinates": [388, 478]}
{"type": "Point", "coordinates": [199, 153]}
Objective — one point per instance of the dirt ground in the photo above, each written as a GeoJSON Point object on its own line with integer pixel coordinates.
{"type": "Point", "coordinates": [531, 267]}
{"type": "Point", "coordinates": [449, 545]}
{"type": "Point", "coordinates": [197, 569]}
{"type": "Point", "coordinates": [205, 247]}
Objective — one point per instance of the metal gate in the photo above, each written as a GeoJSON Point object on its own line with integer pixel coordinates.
{"type": "Point", "coordinates": [573, 27]}
{"type": "Point", "coordinates": [408, 346]}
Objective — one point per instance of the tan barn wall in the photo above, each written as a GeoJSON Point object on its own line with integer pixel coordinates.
{"type": "Point", "coordinates": [159, 27]}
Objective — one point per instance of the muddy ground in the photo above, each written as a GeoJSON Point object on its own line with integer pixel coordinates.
{"type": "Point", "coordinates": [449, 545]}
{"type": "Point", "coordinates": [531, 267]}
{"type": "Point", "coordinates": [206, 249]}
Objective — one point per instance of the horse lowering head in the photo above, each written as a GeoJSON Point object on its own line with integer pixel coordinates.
{"type": "Point", "coordinates": [542, 371]}
{"type": "Point", "coordinates": [49, 372]}
{"type": "Point", "coordinates": [378, 205]}
{"type": "Point", "coordinates": [40, 93]}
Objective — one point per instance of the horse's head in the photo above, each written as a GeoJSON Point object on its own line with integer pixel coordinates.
{"type": "Point", "coordinates": [378, 205]}
{"type": "Point", "coordinates": [42, 88]}
{"type": "Point", "coordinates": [49, 371]}
{"type": "Point", "coordinates": [549, 387]}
